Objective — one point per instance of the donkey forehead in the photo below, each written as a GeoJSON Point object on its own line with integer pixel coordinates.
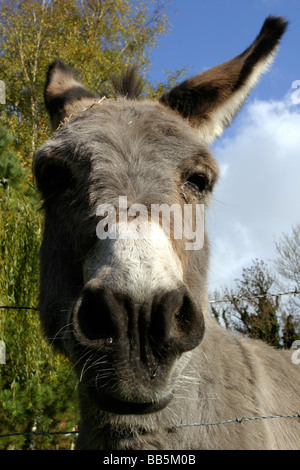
{"type": "Point", "coordinates": [118, 131]}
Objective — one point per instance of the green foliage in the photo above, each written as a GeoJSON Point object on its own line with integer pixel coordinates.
{"type": "Point", "coordinates": [289, 334]}
{"type": "Point", "coordinates": [46, 402]}
{"type": "Point", "coordinates": [258, 315]}
{"type": "Point", "coordinates": [33, 386]}
{"type": "Point", "coordinates": [97, 38]}
{"type": "Point", "coordinates": [11, 171]}
{"type": "Point", "coordinates": [171, 80]}
{"type": "Point", "coordinates": [252, 311]}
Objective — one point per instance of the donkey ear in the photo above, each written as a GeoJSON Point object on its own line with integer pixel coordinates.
{"type": "Point", "coordinates": [61, 90]}
{"type": "Point", "coordinates": [211, 99]}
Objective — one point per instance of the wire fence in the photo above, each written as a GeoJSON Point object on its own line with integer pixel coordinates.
{"type": "Point", "coordinates": [13, 307]}
{"type": "Point", "coordinates": [215, 301]}
{"type": "Point", "coordinates": [257, 296]}
{"type": "Point", "coordinates": [42, 433]}
{"type": "Point", "coordinates": [181, 425]}
{"type": "Point", "coordinates": [238, 420]}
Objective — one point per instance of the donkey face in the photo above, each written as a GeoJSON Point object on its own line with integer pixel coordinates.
{"type": "Point", "coordinates": [129, 309]}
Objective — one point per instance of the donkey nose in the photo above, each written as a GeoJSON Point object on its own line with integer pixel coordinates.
{"type": "Point", "coordinates": [167, 323]}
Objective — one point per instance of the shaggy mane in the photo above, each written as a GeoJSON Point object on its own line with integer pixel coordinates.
{"type": "Point", "coordinates": [128, 84]}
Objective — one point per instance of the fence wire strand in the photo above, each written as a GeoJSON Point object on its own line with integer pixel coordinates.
{"type": "Point", "coordinates": [42, 433]}
{"type": "Point", "coordinates": [257, 296]}
{"type": "Point", "coordinates": [238, 420]}
{"type": "Point", "coordinates": [215, 301]}
{"type": "Point", "coordinates": [181, 425]}
{"type": "Point", "coordinates": [13, 307]}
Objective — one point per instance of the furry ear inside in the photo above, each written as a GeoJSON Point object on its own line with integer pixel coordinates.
{"type": "Point", "coordinates": [211, 99]}
{"type": "Point", "coordinates": [61, 89]}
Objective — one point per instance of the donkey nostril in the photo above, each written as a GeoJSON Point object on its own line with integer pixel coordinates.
{"type": "Point", "coordinates": [184, 317]}
{"type": "Point", "coordinates": [93, 319]}
{"type": "Point", "coordinates": [189, 325]}
{"type": "Point", "coordinates": [177, 325]}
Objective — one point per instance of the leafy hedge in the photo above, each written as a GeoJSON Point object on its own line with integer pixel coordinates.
{"type": "Point", "coordinates": [37, 386]}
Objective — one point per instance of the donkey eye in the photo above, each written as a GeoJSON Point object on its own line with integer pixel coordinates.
{"type": "Point", "coordinates": [197, 181]}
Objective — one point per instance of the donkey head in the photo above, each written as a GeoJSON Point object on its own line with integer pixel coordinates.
{"type": "Point", "coordinates": [129, 309]}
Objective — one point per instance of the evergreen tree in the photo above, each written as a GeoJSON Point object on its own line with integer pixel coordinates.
{"type": "Point", "coordinates": [289, 334]}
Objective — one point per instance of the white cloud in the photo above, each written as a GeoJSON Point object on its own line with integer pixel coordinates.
{"type": "Point", "coordinates": [258, 196]}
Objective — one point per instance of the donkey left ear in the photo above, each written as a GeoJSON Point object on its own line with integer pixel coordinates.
{"type": "Point", "coordinates": [62, 90]}
{"type": "Point", "coordinates": [211, 99]}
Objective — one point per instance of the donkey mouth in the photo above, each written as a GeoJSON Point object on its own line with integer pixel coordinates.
{"type": "Point", "coordinates": [115, 405]}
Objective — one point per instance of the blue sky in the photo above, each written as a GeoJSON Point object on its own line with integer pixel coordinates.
{"type": "Point", "coordinates": [205, 33]}
{"type": "Point", "coordinates": [258, 196]}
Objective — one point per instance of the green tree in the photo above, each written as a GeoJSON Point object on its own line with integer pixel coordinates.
{"type": "Point", "coordinates": [287, 265]}
{"type": "Point", "coordinates": [251, 310]}
{"type": "Point", "coordinates": [95, 37]}
{"type": "Point", "coordinates": [287, 262]}
{"type": "Point", "coordinates": [11, 172]}
{"type": "Point", "coordinates": [34, 391]}
{"type": "Point", "coordinates": [33, 388]}
{"type": "Point", "coordinates": [289, 334]}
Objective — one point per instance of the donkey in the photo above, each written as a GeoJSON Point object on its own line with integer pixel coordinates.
{"type": "Point", "coordinates": [131, 311]}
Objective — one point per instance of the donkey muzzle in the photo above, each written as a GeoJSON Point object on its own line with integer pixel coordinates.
{"type": "Point", "coordinates": [166, 325]}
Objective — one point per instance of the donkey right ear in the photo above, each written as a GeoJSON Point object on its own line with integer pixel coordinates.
{"type": "Point", "coordinates": [62, 89]}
